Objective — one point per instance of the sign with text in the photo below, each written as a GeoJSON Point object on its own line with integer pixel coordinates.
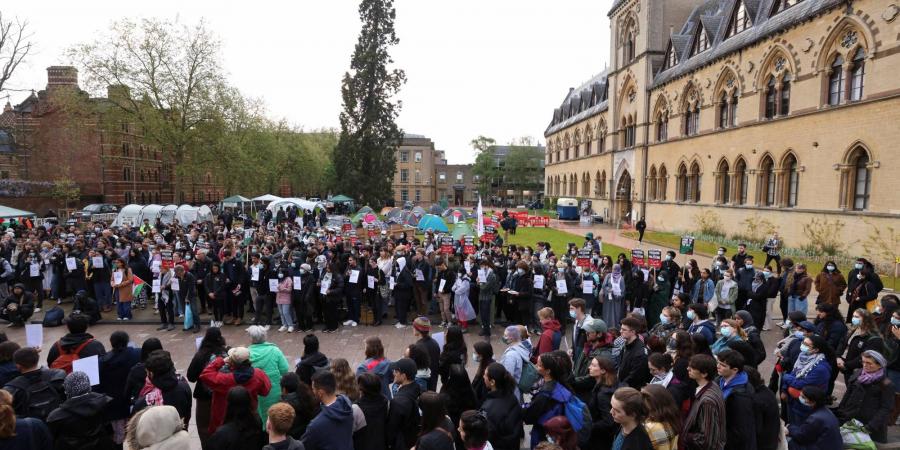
{"type": "Point", "coordinates": [353, 238]}
{"type": "Point", "coordinates": [371, 231]}
{"type": "Point", "coordinates": [346, 225]}
{"type": "Point", "coordinates": [584, 258]}
{"type": "Point", "coordinates": [469, 245]}
{"type": "Point", "coordinates": [167, 261]}
{"type": "Point", "coordinates": [637, 257]}
{"type": "Point", "coordinates": [687, 245]}
{"type": "Point", "coordinates": [654, 258]}
{"type": "Point", "coordinates": [489, 234]}
{"type": "Point", "coordinates": [447, 244]}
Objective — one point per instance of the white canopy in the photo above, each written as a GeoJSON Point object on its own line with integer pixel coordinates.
{"type": "Point", "coordinates": [300, 203]}
{"type": "Point", "coordinates": [167, 214]}
{"type": "Point", "coordinates": [128, 215]}
{"type": "Point", "coordinates": [186, 214]}
{"type": "Point", "coordinates": [266, 198]}
{"type": "Point", "coordinates": [150, 212]}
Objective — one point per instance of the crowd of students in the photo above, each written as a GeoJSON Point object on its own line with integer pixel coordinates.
{"type": "Point", "coordinates": [607, 355]}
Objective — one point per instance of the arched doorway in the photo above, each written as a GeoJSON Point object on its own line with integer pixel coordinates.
{"type": "Point", "coordinates": [623, 198]}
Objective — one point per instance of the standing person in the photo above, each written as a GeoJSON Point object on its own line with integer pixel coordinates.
{"type": "Point", "coordinates": [312, 359]}
{"type": "Point", "coordinates": [81, 421]}
{"type": "Point", "coordinates": [242, 429]}
{"type": "Point", "coordinates": [550, 399]}
{"type": "Point", "coordinates": [454, 352]}
{"type": "Point", "coordinates": [603, 427]}
{"type": "Point", "coordinates": [403, 287]}
{"type": "Point", "coordinates": [38, 390]}
{"type": "Point", "coordinates": [137, 376]}
{"type": "Point", "coordinates": [516, 354]}
{"type": "Point", "coordinates": [281, 416]}
{"type": "Point", "coordinates": [283, 300]}
{"type": "Point", "coordinates": [765, 412]}
{"type": "Point", "coordinates": [332, 429]}
{"type": "Point", "coordinates": [820, 430]}
{"type": "Point", "coordinates": [157, 427]}
{"type": "Point", "coordinates": [726, 295]}
{"type": "Point", "coordinates": [869, 397]}
{"type": "Point", "coordinates": [457, 393]}
{"type": "Point", "coordinates": [266, 356]}
{"type": "Point", "coordinates": [659, 299]}
{"type": "Point", "coordinates": [628, 410]}
{"type": "Point", "coordinates": [502, 409]}
{"type": "Point", "coordinates": [21, 433]}
{"type": "Point", "coordinates": [446, 279]}
{"type": "Point", "coordinates": [633, 369]}
{"type": "Point", "coordinates": [562, 288]}
{"type": "Point", "coordinates": [461, 304]}
{"type": "Point", "coordinates": [114, 367]}
{"type": "Point", "coordinates": [332, 286]}
{"type": "Point", "coordinates": [704, 288]}
{"type": "Point", "coordinates": [240, 373]}
{"type": "Point", "coordinates": [830, 284]}
{"type": "Point", "coordinates": [550, 333]}
{"type": "Point", "coordinates": [165, 386]}
{"type": "Point", "coordinates": [215, 287]}
{"type": "Point", "coordinates": [300, 396]}
{"type": "Point", "coordinates": [403, 413]}
{"type": "Point", "coordinates": [374, 406]}
{"type": "Point", "coordinates": [612, 297]}
{"type": "Point", "coordinates": [772, 249]}
{"type": "Point", "coordinates": [212, 346]}
{"type": "Point", "coordinates": [483, 355]}
{"type": "Point", "coordinates": [663, 417]}
{"type": "Point", "coordinates": [346, 381]}
{"type": "Point", "coordinates": [488, 287]}
{"type": "Point", "coordinates": [704, 428]}
{"type": "Point", "coordinates": [437, 429]}
{"type": "Point", "coordinates": [422, 274]}
{"type": "Point", "coordinates": [864, 335]}
{"type": "Point", "coordinates": [186, 294]}
{"type": "Point", "coordinates": [354, 279]}
{"type": "Point", "coordinates": [474, 431]}
{"type": "Point", "coordinates": [302, 298]}
{"type": "Point", "coordinates": [376, 363]}
{"type": "Point", "coordinates": [122, 281]}
{"type": "Point", "coordinates": [864, 292]}
{"type": "Point", "coordinates": [641, 227]}
{"type": "Point", "coordinates": [740, 423]}
{"type": "Point", "coordinates": [521, 294]}
{"type": "Point", "coordinates": [236, 286]}
{"type": "Point", "coordinates": [422, 331]}
{"type": "Point", "coordinates": [97, 270]}
{"type": "Point", "coordinates": [799, 289]}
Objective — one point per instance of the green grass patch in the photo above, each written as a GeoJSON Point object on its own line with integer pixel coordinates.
{"type": "Point", "coordinates": [559, 240]}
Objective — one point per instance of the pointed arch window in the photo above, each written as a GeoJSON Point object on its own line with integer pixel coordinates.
{"type": "Point", "coordinates": [792, 178]}
{"type": "Point", "coordinates": [771, 98]}
{"type": "Point", "coordinates": [732, 109]}
{"type": "Point", "coordinates": [695, 184]}
{"type": "Point", "coordinates": [662, 127]}
{"type": "Point", "coordinates": [781, 5]}
{"type": "Point", "coordinates": [602, 183]}
{"type": "Point", "coordinates": [861, 184]}
{"type": "Point", "coordinates": [836, 81]}
{"type": "Point", "coordinates": [857, 75]}
{"type": "Point", "coordinates": [767, 182]}
{"type": "Point", "coordinates": [723, 184]}
{"type": "Point", "coordinates": [723, 109]}
{"type": "Point", "coordinates": [662, 184]}
{"type": "Point", "coordinates": [691, 120]}
{"type": "Point", "coordinates": [740, 182]}
{"type": "Point", "coordinates": [702, 41]}
{"type": "Point", "coordinates": [629, 46]}
{"type": "Point", "coordinates": [586, 185]}
{"type": "Point", "coordinates": [683, 187]}
{"type": "Point", "coordinates": [784, 104]}
{"type": "Point", "coordinates": [651, 183]}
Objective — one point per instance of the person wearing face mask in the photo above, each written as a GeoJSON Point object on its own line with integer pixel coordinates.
{"type": "Point", "coordinates": [830, 324]}
{"type": "Point", "coordinates": [302, 297]}
{"type": "Point", "coordinates": [659, 298]}
{"type": "Point", "coordinates": [671, 270]}
{"type": "Point", "coordinates": [599, 344]}
{"type": "Point", "coordinates": [730, 331]}
{"type": "Point", "coordinates": [501, 408]}
{"type": "Point", "coordinates": [820, 429]}
{"type": "Point", "coordinates": [726, 294]}
{"type": "Point", "coordinates": [562, 288]}
{"type": "Point", "coordinates": [812, 368]}
{"type": "Point", "coordinates": [488, 286]}
{"type": "Point", "coordinates": [700, 322]}
{"type": "Point", "coordinates": [669, 320]}
{"type": "Point", "coordinates": [515, 356]}
{"type": "Point", "coordinates": [762, 289]}
{"type": "Point", "coordinates": [862, 273]}
{"type": "Point", "coordinates": [612, 297]}
{"type": "Point", "coordinates": [830, 284]}
{"type": "Point", "coordinates": [744, 277]}
{"type": "Point", "coordinates": [718, 267]}
{"type": "Point", "coordinates": [864, 336]}
{"type": "Point", "coordinates": [865, 292]}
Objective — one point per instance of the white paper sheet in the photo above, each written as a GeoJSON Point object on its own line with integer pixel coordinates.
{"type": "Point", "coordinates": [298, 283]}
{"type": "Point", "coordinates": [273, 285]}
{"type": "Point", "coordinates": [419, 275]}
{"type": "Point", "coordinates": [468, 266]}
{"type": "Point", "coordinates": [156, 286]}
{"type": "Point", "coordinates": [482, 276]}
{"type": "Point", "coordinates": [117, 277]}
{"type": "Point", "coordinates": [34, 335]}
{"type": "Point", "coordinates": [354, 276]}
{"type": "Point", "coordinates": [70, 263]}
{"type": "Point", "coordinates": [538, 281]}
{"type": "Point", "coordinates": [401, 263]}
{"type": "Point", "coordinates": [97, 261]}
{"type": "Point", "coordinates": [392, 283]}
{"type": "Point", "coordinates": [90, 366]}
{"type": "Point", "coordinates": [587, 287]}
{"type": "Point", "coordinates": [34, 270]}
{"type": "Point", "coordinates": [371, 281]}
{"type": "Point", "coordinates": [561, 287]}
{"type": "Point", "coordinates": [439, 337]}
{"type": "Point", "coordinates": [198, 341]}
{"type": "Point", "coordinates": [441, 285]}
{"type": "Point", "coordinates": [325, 286]}
{"type": "Point", "coordinates": [175, 285]}
{"type": "Point", "coordinates": [254, 273]}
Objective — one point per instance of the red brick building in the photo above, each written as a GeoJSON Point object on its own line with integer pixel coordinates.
{"type": "Point", "coordinates": [62, 132]}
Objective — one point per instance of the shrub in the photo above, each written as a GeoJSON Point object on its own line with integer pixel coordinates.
{"type": "Point", "coordinates": [708, 222]}
{"type": "Point", "coordinates": [824, 236]}
{"type": "Point", "coordinates": [755, 229]}
{"type": "Point", "coordinates": [882, 245]}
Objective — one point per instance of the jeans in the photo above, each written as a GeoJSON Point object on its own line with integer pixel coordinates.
{"type": "Point", "coordinates": [124, 310]}
{"type": "Point", "coordinates": [195, 313]}
{"type": "Point", "coordinates": [353, 309]}
{"type": "Point", "coordinates": [484, 310]}
{"type": "Point", "coordinates": [797, 303]}
{"type": "Point", "coordinates": [286, 318]}
{"type": "Point", "coordinates": [166, 311]}
{"type": "Point", "coordinates": [103, 293]}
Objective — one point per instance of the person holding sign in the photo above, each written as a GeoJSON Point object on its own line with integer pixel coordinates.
{"type": "Point", "coordinates": [122, 281]}
{"type": "Point", "coordinates": [216, 289]}
{"type": "Point", "coordinates": [354, 287]}
{"type": "Point", "coordinates": [562, 288]}
{"type": "Point", "coordinates": [302, 297]}
{"type": "Point", "coordinates": [184, 287]}
{"type": "Point", "coordinates": [445, 280]}
{"type": "Point", "coordinates": [98, 272]}
{"type": "Point", "coordinates": [612, 296]}
{"type": "Point", "coordinates": [31, 273]}
{"type": "Point", "coordinates": [520, 294]}
{"type": "Point", "coordinates": [333, 289]}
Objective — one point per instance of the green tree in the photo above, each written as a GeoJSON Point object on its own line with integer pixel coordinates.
{"type": "Point", "coordinates": [522, 170]}
{"type": "Point", "coordinates": [485, 167]}
{"type": "Point", "coordinates": [482, 144]}
{"type": "Point", "coordinates": [64, 188]}
{"type": "Point", "coordinates": [364, 158]}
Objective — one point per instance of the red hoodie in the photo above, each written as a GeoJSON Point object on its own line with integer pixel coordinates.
{"type": "Point", "coordinates": [545, 343]}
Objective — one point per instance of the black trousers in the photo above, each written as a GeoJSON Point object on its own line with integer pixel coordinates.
{"type": "Point", "coordinates": [777, 259]}
{"type": "Point", "coordinates": [401, 303]}
{"type": "Point", "coordinates": [264, 305]}
{"type": "Point", "coordinates": [166, 311]}
{"type": "Point", "coordinates": [301, 309]}
{"type": "Point", "coordinates": [331, 312]}
{"type": "Point", "coordinates": [218, 308]}
{"type": "Point", "coordinates": [235, 305]}
{"type": "Point", "coordinates": [525, 312]}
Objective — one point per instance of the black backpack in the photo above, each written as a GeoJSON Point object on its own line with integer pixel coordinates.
{"type": "Point", "coordinates": [54, 317]}
{"type": "Point", "coordinates": [41, 397]}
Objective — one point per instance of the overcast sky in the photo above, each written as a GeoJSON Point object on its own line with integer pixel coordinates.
{"type": "Point", "coordinates": [490, 67]}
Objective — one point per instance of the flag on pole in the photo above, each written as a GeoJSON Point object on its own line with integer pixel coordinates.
{"type": "Point", "coordinates": [479, 219]}
{"type": "Point", "coordinates": [138, 286]}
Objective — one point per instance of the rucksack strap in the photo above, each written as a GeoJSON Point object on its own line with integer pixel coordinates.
{"type": "Point", "coordinates": [77, 350]}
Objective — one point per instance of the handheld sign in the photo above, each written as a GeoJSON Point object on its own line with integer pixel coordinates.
{"type": "Point", "coordinates": [469, 245]}
{"type": "Point", "coordinates": [654, 258]}
{"type": "Point", "coordinates": [447, 244]}
{"type": "Point", "coordinates": [97, 262]}
{"type": "Point", "coordinates": [34, 335]}
{"type": "Point", "coordinates": [489, 234]}
{"type": "Point", "coordinates": [298, 283]}
{"type": "Point", "coordinates": [71, 264]}
{"type": "Point", "coordinates": [90, 366]}
{"type": "Point", "coordinates": [637, 257]}
{"type": "Point", "coordinates": [354, 276]}
{"type": "Point", "coordinates": [353, 237]}
{"type": "Point", "coordinates": [561, 287]}
{"type": "Point", "coordinates": [346, 225]}
{"type": "Point", "coordinates": [539, 282]}
{"type": "Point", "coordinates": [584, 258]}
{"type": "Point", "coordinates": [167, 261]}
{"type": "Point", "coordinates": [156, 286]}
{"type": "Point", "coordinates": [273, 284]}
{"type": "Point", "coordinates": [687, 245]}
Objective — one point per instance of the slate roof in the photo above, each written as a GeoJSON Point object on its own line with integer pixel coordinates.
{"type": "Point", "coordinates": [715, 15]}
{"type": "Point", "coordinates": [580, 98]}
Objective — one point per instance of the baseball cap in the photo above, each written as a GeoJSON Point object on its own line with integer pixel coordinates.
{"type": "Point", "coordinates": [405, 366]}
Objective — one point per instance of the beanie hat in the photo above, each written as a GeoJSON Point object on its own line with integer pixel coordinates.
{"type": "Point", "coordinates": [422, 324]}
{"type": "Point", "coordinates": [76, 383]}
{"type": "Point", "coordinates": [746, 317]}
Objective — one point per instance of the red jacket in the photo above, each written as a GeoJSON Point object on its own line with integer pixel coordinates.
{"type": "Point", "coordinates": [254, 380]}
{"type": "Point", "coordinates": [545, 343]}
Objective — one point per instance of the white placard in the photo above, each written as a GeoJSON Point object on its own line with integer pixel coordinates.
{"type": "Point", "coordinates": [468, 266]}
{"type": "Point", "coordinates": [175, 286]}
{"type": "Point", "coordinates": [155, 266]}
{"type": "Point", "coordinates": [371, 282]}
{"type": "Point", "coordinates": [117, 277]}
{"type": "Point", "coordinates": [298, 283]}
{"type": "Point", "coordinates": [419, 275]}
{"type": "Point", "coordinates": [254, 273]}
{"type": "Point", "coordinates": [198, 341]}
{"type": "Point", "coordinates": [90, 366]}
{"type": "Point", "coordinates": [439, 337]}
{"type": "Point", "coordinates": [538, 281]}
{"type": "Point", "coordinates": [70, 264]}
{"type": "Point", "coordinates": [561, 287]}
{"type": "Point", "coordinates": [34, 335]}
{"type": "Point", "coordinates": [273, 285]}
{"type": "Point", "coordinates": [97, 262]}
{"type": "Point", "coordinates": [156, 286]}
{"type": "Point", "coordinates": [587, 287]}
{"type": "Point", "coordinates": [401, 263]}
{"type": "Point", "coordinates": [34, 269]}
{"type": "Point", "coordinates": [441, 285]}
{"type": "Point", "coordinates": [325, 286]}
{"type": "Point", "coordinates": [392, 283]}
{"type": "Point", "coordinates": [354, 276]}
{"type": "Point", "coordinates": [482, 276]}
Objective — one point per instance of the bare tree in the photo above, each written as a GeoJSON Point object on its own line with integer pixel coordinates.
{"type": "Point", "coordinates": [15, 44]}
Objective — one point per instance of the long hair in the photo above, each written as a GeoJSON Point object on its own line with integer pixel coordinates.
{"type": "Point", "coordinates": [486, 353]}
{"type": "Point", "coordinates": [240, 412]}
{"type": "Point", "coordinates": [504, 381]}
{"type": "Point", "coordinates": [868, 325]}
{"type": "Point", "coordinates": [610, 378]}
{"type": "Point", "coordinates": [7, 416]}
{"type": "Point", "coordinates": [346, 381]}
{"type": "Point", "coordinates": [455, 340]}
{"type": "Point", "coordinates": [433, 411]}
{"type": "Point", "coordinates": [661, 407]}
{"type": "Point", "coordinates": [739, 332]}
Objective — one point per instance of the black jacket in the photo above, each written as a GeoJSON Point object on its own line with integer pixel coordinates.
{"type": "Point", "coordinates": [309, 364]}
{"type": "Point", "coordinates": [302, 415]}
{"type": "Point", "coordinates": [372, 436]}
{"type": "Point", "coordinates": [448, 358]}
{"type": "Point", "coordinates": [403, 418]}
{"type": "Point", "coordinates": [767, 419]}
{"type": "Point", "coordinates": [18, 388]}
{"type": "Point", "coordinates": [870, 403]}
{"type": "Point", "coordinates": [633, 370]}
{"type": "Point", "coordinates": [73, 340]}
{"type": "Point", "coordinates": [114, 367]}
{"type": "Point", "coordinates": [81, 423]}
{"type": "Point", "coordinates": [200, 360]}
{"type": "Point", "coordinates": [505, 417]}
{"type": "Point", "coordinates": [740, 420]}
{"type": "Point", "coordinates": [230, 437]}
{"type": "Point", "coordinates": [175, 392]}
{"type": "Point", "coordinates": [855, 347]}
{"type": "Point", "coordinates": [603, 428]}
{"type": "Point", "coordinates": [434, 354]}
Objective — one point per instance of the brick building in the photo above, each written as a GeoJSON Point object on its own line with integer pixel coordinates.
{"type": "Point", "coordinates": [62, 132]}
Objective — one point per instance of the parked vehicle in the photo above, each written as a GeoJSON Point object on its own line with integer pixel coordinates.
{"type": "Point", "coordinates": [90, 210]}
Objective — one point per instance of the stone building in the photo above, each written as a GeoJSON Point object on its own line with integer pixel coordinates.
{"type": "Point", "coordinates": [62, 132]}
{"type": "Point", "coordinates": [783, 110]}
{"type": "Point", "coordinates": [456, 184]}
{"type": "Point", "coordinates": [414, 178]}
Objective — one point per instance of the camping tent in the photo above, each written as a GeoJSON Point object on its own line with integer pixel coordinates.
{"type": "Point", "coordinates": [12, 213]}
{"type": "Point", "coordinates": [167, 214]}
{"type": "Point", "coordinates": [394, 213]}
{"type": "Point", "coordinates": [236, 201]}
{"type": "Point", "coordinates": [300, 203]}
{"type": "Point", "coordinates": [366, 209]}
{"type": "Point", "coordinates": [150, 212]}
{"type": "Point", "coordinates": [385, 210]}
{"type": "Point", "coordinates": [436, 209]}
{"type": "Point", "coordinates": [187, 214]}
{"type": "Point", "coordinates": [434, 223]}
{"type": "Point", "coordinates": [419, 212]}
{"type": "Point", "coordinates": [340, 199]}
{"type": "Point", "coordinates": [266, 198]}
{"type": "Point", "coordinates": [462, 229]}
{"type": "Point", "coordinates": [129, 215]}
{"type": "Point", "coordinates": [408, 218]}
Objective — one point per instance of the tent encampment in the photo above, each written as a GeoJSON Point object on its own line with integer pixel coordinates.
{"type": "Point", "coordinates": [365, 209]}
{"type": "Point", "coordinates": [187, 214]}
{"type": "Point", "coordinates": [167, 214]}
{"type": "Point", "coordinates": [436, 209]}
{"type": "Point", "coordinates": [300, 203]}
{"type": "Point", "coordinates": [266, 198]}
{"type": "Point", "coordinates": [12, 213]}
{"type": "Point", "coordinates": [462, 229]}
{"type": "Point", "coordinates": [129, 215]}
{"type": "Point", "coordinates": [150, 212]}
{"type": "Point", "coordinates": [340, 199]}
{"type": "Point", "coordinates": [434, 223]}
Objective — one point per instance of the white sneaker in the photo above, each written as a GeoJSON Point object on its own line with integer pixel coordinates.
{"type": "Point", "coordinates": [125, 318]}
{"type": "Point", "coordinates": [37, 310]}
{"type": "Point", "coordinates": [266, 328]}
{"type": "Point", "coordinates": [282, 329]}
{"type": "Point", "coordinates": [290, 329]}
{"type": "Point", "coordinates": [59, 301]}
{"type": "Point", "coordinates": [347, 323]}
{"type": "Point", "coordinates": [353, 324]}
{"type": "Point", "coordinates": [399, 326]}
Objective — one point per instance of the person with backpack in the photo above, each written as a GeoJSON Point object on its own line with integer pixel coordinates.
{"type": "Point", "coordinates": [740, 423]}
{"type": "Point", "coordinates": [516, 356]}
{"type": "Point", "coordinates": [81, 421]}
{"type": "Point", "coordinates": [21, 433]}
{"type": "Point", "coordinates": [39, 390]}
{"type": "Point", "coordinates": [76, 344]}
{"type": "Point", "coordinates": [555, 398]}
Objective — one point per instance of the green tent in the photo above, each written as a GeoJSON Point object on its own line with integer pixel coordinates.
{"type": "Point", "coordinates": [340, 199]}
{"type": "Point", "coordinates": [462, 229]}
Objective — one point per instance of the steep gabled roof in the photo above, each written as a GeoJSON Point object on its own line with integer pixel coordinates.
{"type": "Point", "coordinates": [593, 90]}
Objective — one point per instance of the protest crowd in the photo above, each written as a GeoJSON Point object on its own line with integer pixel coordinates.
{"type": "Point", "coordinates": [600, 351]}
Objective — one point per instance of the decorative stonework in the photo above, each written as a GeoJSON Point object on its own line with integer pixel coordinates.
{"type": "Point", "coordinates": [729, 82]}
{"type": "Point", "coordinates": [849, 39]}
{"type": "Point", "coordinates": [807, 45]}
{"type": "Point", "coordinates": [779, 64]}
{"type": "Point", "coordinates": [890, 13]}
{"type": "Point", "coordinates": [631, 96]}
{"type": "Point", "coordinates": [750, 66]}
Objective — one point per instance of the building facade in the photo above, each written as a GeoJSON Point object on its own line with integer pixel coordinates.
{"type": "Point", "coordinates": [741, 110]}
{"type": "Point", "coordinates": [456, 184]}
{"type": "Point", "coordinates": [63, 133]}
{"type": "Point", "coordinates": [414, 178]}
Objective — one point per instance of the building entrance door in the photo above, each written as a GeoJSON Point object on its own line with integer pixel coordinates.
{"type": "Point", "coordinates": [458, 197]}
{"type": "Point", "coordinates": [623, 198]}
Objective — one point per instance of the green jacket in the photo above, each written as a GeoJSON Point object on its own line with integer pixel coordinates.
{"type": "Point", "coordinates": [268, 358]}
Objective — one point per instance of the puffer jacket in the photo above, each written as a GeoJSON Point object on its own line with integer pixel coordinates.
{"type": "Point", "coordinates": [81, 423]}
{"type": "Point", "coordinates": [504, 416]}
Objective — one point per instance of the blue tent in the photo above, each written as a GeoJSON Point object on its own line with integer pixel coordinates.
{"type": "Point", "coordinates": [434, 223]}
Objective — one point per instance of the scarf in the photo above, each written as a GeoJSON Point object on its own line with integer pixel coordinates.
{"type": "Point", "coordinates": [805, 363]}
{"type": "Point", "coordinates": [756, 284]}
{"type": "Point", "coordinates": [870, 377]}
{"type": "Point", "coordinates": [663, 380]}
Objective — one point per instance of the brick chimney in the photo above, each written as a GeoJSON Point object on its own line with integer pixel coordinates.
{"type": "Point", "coordinates": [62, 76]}
{"type": "Point", "coordinates": [117, 92]}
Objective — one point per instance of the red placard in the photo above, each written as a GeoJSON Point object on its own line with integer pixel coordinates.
{"type": "Point", "coordinates": [447, 244]}
{"type": "Point", "coordinates": [583, 259]}
{"type": "Point", "coordinates": [346, 226]}
{"type": "Point", "coordinates": [372, 231]}
{"type": "Point", "coordinates": [353, 237]}
{"type": "Point", "coordinates": [167, 261]}
{"type": "Point", "coordinates": [637, 257]}
{"type": "Point", "coordinates": [520, 216]}
{"type": "Point", "coordinates": [489, 234]}
{"type": "Point", "coordinates": [654, 258]}
{"type": "Point", "coordinates": [539, 221]}
{"type": "Point", "coordinates": [469, 245]}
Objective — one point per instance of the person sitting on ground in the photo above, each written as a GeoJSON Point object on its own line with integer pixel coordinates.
{"type": "Point", "coordinates": [77, 342]}
{"type": "Point", "coordinates": [820, 429]}
{"type": "Point", "coordinates": [18, 307]}
{"type": "Point", "coordinates": [30, 399]}
{"type": "Point", "coordinates": [332, 428]}
{"type": "Point", "coordinates": [81, 421]}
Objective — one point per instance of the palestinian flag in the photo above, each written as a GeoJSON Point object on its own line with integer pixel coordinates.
{"type": "Point", "coordinates": [138, 286]}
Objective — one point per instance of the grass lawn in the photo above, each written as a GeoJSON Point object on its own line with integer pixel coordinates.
{"type": "Point", "coordinates": [707, 248]}
{"type": "Point", "coordinates": [559, 240]}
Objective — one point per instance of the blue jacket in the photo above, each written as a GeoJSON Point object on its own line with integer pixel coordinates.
{"type": "Point", "coordinates": [332, 429]}
{"type": "Point", "coordinates": [710, 289]}
{"type": "Point", "coordinates": [820, 431]}
{"type": "Point", "coordinates": [707, 328]}
{"type": "Point", "coordinates": [820, 375]}
{"type": "Point", "coordinates": [382, 369]}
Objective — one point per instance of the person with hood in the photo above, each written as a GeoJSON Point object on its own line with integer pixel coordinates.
{"type": "Point", "coordinates": [266, 356]}
{"type": "Point", "coordinates": [376, 363]}
{"type": "Point", "coordinates": [830, 284]}
{"type": "Point", "coordinates": [758, 297]}
{"type": "Point", "coordinates": [516, 354]}
{"type": "Point", "coordinates": [820, 429]}
{"type": "Point", "coordinates": [612, 297]}
{"type": "Point", "coordinates": [242, 429]}
{"type": "Point", "coordinates": [740, 424]}
{"type": "Point", "coordinates": [830, 324]}
{"type": "Point", "coordinates": [81, 421]}
{"type": "Point", "coordinates": [18, 306]}
{"type": "Point", "coordinates": [550, 334]}
{"type": "Point", "coordinates": [402, 427]}
{"type": "Point", "coordinates": [77, 340]}
{"type": "Point", "coordinates": [157, 428]}
{"type": "Point", "coordinates": [869, 397]}
{"type": "Point", "coordinates": [454, 352]}
{"type": "Point", "coordinates": [701, 325]}
{"type": "Point", "coordinates": [280, 418]}
{"type": "Point", "coordinates": [165, 386]}
{"type": "Point", "coordinates": [374, 406]}
{"type": "Point", "coordinates": [114, 367]}
{"type": "Point", "coordinates": [312, 359]}
{"type": "Point", "coordinates": [502, 410]}
{"type": "Point", "coordinates": [744, 320]}
{"type": "Point", "coordinates": [240, 373]}
{"type": "Point", "coordinates": [82, 303]}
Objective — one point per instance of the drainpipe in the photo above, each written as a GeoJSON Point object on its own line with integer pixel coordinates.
{"type": "Point", "coordinates": [646, 145]}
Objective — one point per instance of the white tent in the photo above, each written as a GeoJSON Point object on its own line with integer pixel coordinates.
{"type": "Point", "coordinates": [167, 214]}
{"type": "Point", "coordinates": [266, 198]}
{"type": "Point", "coordinates": [300, 203]}
{"type": "Point", "coordinates": [187, 214]}
{"type": "Point", "coordinates": [150, 212]}
{"type": "Point", "coordinates": [128, 215]}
